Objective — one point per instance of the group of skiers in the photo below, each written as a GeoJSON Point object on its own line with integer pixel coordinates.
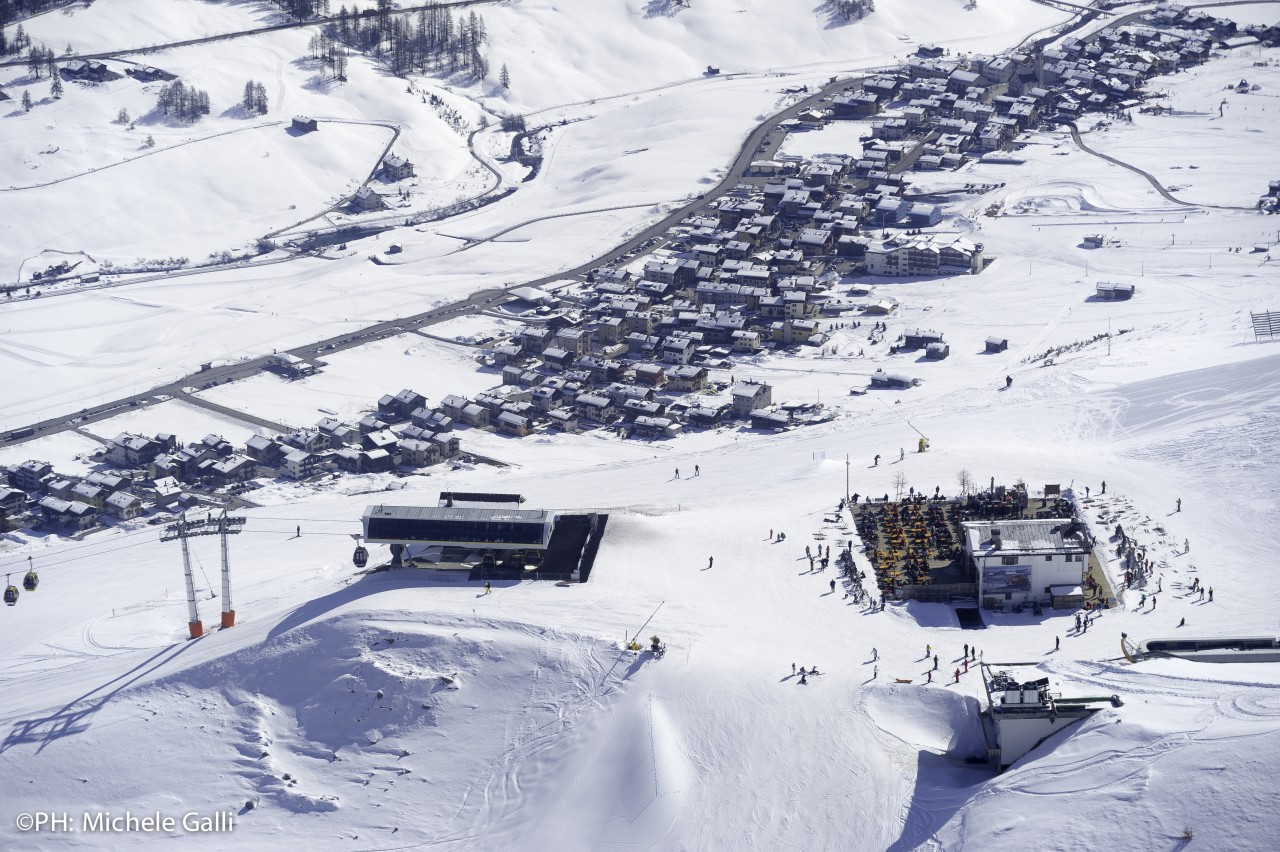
{"type": "Point", "coordinates": [804, 675]}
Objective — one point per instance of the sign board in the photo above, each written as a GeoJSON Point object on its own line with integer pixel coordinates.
{"type": "Point", "coordinates": [1052, 490]}
{"type": "Point", "coordinates": [1006, 579]}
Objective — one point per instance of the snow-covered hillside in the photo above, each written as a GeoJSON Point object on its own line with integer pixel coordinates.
{"type": "Point", "coordinates": [410, 709]}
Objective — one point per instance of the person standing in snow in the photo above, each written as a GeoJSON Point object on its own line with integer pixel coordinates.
{"type": "Point", "coordinates": [1186, 545]}
{"type": "Point", "coordinates": [793, 669]}
{"type": "Point", "coordinates": [1057, 643]}
{"type": "Point", "coordinates": [697, 471]}
{"type": "Point", "coordinates": [1211, 594]}
{"type": "Point", "coordinates": [935, 662]}
{"type": "Point", "coordinates": [875, 672]}
{"type": "Point", "coordinates": [877, 460]}
{"type": "Point", "coordinates": [1179, 508]}
{"type": "Point", "coordinates": [833, 587]}
{"type": "Point", "coordinates": [488, 590]}
{"type": "Point", "coordinates": [875, 655]}
{"type": "Point", "coordinates": [957, 675]}
{"type": "Point", "coordinates": [298, 533]}
{"type": "Point", "coordinates": [710, 561]}
{"type": "Point", "coordinates": [902, 453]}
{"type": "Point", "coordinates": [677, 473]}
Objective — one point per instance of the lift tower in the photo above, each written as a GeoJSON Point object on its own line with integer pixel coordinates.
{"type": "Point", "coordinates": [221, 526]}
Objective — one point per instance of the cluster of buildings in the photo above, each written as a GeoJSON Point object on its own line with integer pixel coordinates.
{"type": "Point", "coordinates": [94, 71]}
{"type": "Point", "coordinates": [393, 168]}
{"type": "Point", "coordinates": [758, 267]}
{"type": "Point", "coordinates": [140, 474]}
{"type": "Point", "coordinates": [936, 110]}
{"type": "Point", "coordinates": [633, 348]}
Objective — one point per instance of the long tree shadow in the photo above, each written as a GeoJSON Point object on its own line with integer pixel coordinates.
{"type": "Point", "coordinates": [664, 8]}
{"type": "Point", "coordinates": [73, 718]}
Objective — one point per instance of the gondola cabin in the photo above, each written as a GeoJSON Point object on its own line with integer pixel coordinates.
{"type": "Point", "coordinates": [361, 556]}
{"type": "Point", "coordinates": [30, 581]}
{"type": "Point", "coordinates": [11, 595]}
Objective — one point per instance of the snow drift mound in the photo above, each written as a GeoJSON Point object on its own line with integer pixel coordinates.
{"type": "Point", "coordinates": [418, 729]}
{"type": "Point", "coordinates": [932, 720]}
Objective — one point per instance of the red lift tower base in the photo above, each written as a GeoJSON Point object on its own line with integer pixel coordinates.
{"type": "Point", "coordinates": [196, 628]}
{"type": "Point", "coordinates": [229, 618]}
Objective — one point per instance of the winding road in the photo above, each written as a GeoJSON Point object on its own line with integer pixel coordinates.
{"type": "Point", "coordinates": [1164, 193]}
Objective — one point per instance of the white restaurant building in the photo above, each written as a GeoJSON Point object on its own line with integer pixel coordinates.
{"type": "Point", "coordinates": [1024, 561]}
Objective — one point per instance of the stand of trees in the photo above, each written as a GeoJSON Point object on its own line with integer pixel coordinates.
{"type": "Point", "coordinates": [431, 41]}
{"type": "Point", "coordinates": [303, 9]}
{"type": "Point", "coordinates": [255, 97]}
{"type": "Point", "coordinates": [15, 10]}
{"type": "Point", "coordinates": [849, 10]}
{"type": "Point", "coordinates": [40, 59]}
{"type": "Point", "coordinates": [185, 102]}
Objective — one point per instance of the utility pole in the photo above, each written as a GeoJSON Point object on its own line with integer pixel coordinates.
{"type": "Point", "coordinates": [846, 478]}
{"type": "Point", "coordinates": [223, 526]}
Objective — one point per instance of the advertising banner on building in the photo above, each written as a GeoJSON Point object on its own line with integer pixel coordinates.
{"type": "Point", "coordinates": [1003, 579]}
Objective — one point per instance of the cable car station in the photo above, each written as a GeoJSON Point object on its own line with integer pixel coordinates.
{"type": "Point", "coordinates": [509, 540]}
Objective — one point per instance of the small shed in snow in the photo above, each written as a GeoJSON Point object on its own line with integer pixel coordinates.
{"type": "Point", "coordinates": [914, 338]}
{"type": "Point", "coordinates": [1109, 292]}
{"type": "Point", "coordinates": [304, 124]}
{"type": "Point", "coordinates": [881, 379]}
{"type": "Point", "coordinates": [997, 344]}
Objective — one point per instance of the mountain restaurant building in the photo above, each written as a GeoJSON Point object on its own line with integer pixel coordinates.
{"type": "Point", "coordinates": [1027, 561]}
